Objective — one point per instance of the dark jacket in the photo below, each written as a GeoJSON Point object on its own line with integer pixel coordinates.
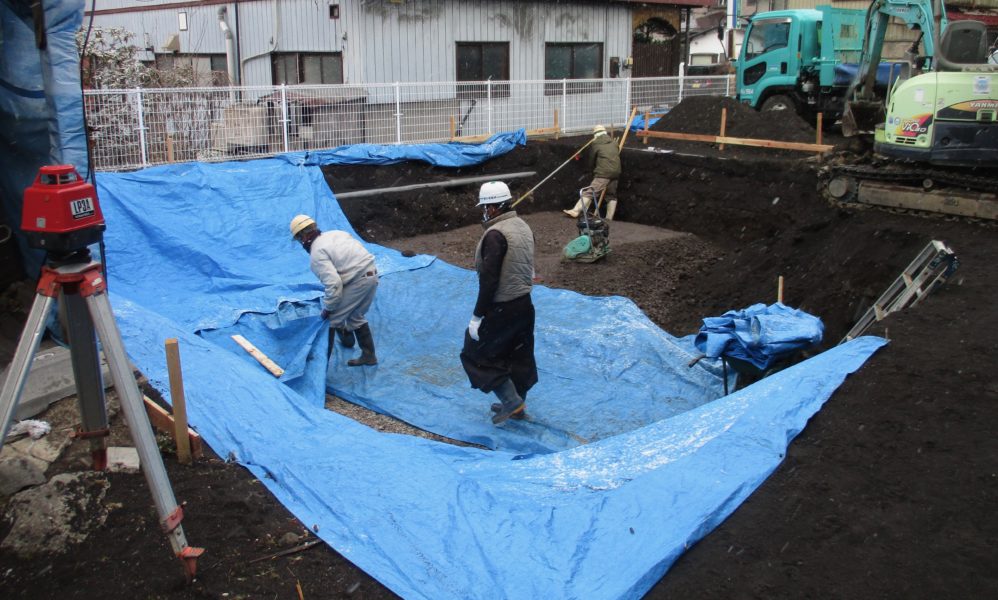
{"type": "Point", "coordinates": [604, 158]}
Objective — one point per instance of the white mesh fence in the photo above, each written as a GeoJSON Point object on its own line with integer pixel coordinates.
{"type": "Point", "coordinates": [136, 128]}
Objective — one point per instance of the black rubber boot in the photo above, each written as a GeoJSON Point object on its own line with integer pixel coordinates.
{"type": "Point", "coordinates": [496, 407]}
{"type": "Point", "coordinates": [347, 338]}
{"type": "Point", "coordinates": [512, 403]}
{"type": "Point", "coordinates": [366, 342]}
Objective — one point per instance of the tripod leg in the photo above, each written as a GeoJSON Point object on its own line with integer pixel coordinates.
{"type": "Point", "coordinates": [131, 405]}
{"type": "Point", "coordinates": [19, 367]}
{"type": "Point", "coordinates": [86, 370]}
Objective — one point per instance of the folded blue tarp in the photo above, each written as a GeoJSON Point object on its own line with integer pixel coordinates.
{"type": "Point", "coordinates": [200, 252]}
{"type": "Point", "coordinates": [759, 335]}
{"type": "Point", "coordinates": [845, 72]}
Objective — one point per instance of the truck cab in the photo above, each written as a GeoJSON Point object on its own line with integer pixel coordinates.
{"type": "Point", "coordinates": [788, 59]}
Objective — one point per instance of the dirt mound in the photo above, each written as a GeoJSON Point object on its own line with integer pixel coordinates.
{"type": "Point", "coordinates": [702, 115]}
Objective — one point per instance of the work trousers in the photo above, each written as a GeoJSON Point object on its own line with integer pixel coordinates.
{"type": "Point", "coordinates": [350, 312]}
{"type": "Point", "coordinates": [505, 348]}
{"type": "Point", "coordinates": [599, 184]}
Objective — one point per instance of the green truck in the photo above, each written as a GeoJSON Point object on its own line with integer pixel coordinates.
{"type": "Point", "coordinates": [802, 60]}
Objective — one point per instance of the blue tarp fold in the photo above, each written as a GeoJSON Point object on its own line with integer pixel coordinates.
{"type": "Point", "coordinates": [759, 335]}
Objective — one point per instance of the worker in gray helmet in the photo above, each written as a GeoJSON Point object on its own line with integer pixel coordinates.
{"type": "Point", "coordinates": [348, 273]}
{"type": "Point", "coordinates": [498, 353]}
{"type": "Point", "coordinates": [603, 159]}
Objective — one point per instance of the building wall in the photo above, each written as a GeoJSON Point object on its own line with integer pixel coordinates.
{"type": "Point", "coordinates": [381, 41]}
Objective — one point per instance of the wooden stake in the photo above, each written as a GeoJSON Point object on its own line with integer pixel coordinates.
{"type": "Point", "coordinates": [169, 148]}
{"type": "Point", "coordinates": [163, 421]}
{"type": "Point", "coordinates": [261, 358]}
{"type": "Point", "coordinates": [647, 118]}
{"type": "Point", "coordinates": [818, 132]}
{"type": "Point", "coordinates": [453, 128]}
{"type": "Point", "coordinates": [557, 129]}
{"type": "Point", "coordinates": [724, 123]}
{"type": "Point", "coordinates": [179, 403]}
{"type": "Point", "coordinates": [779, 289]}
{"type": "Point", "coordinates": [627, 129]}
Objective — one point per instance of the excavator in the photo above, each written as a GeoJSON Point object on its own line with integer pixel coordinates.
{"type": "Point", "coordinates": [935, 129]}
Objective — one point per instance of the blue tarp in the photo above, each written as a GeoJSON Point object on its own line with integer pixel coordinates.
{"type": "Point", "coordinates": [759, 335]}
{"type": "Point", "coordinates": [41, 107]}
{"type": "Point", "coordinates": [201, 252]}
{"type": "Point", "coordinates": [845, 72]}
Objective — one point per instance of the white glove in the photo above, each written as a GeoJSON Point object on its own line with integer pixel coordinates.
{"type": "Point", "coordinates": [473, 326]}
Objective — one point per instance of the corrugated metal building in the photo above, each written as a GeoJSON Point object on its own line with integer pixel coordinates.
{"type": "Point", "coordinates": [383, 41]}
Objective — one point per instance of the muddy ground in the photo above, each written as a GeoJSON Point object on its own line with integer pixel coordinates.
{"type": "Point", "coordinates": [889, 492]}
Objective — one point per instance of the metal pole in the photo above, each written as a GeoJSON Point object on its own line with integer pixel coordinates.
{"type": "Point", "coordinates": [398, 113]}
{"type": "Point", "coordinates": [627, 96]}
{"type": "Point", "coordinates": [142, 128]}
{"type": "Point", "coordinates": [531, 190]}
{"type": "Point", "coordinates": [488, 95]}
{"type": "Point", "coordinates": [21, 364]}
{"type": "Point", "coordinates": [564, 102]}
{"type": "Point", "coordinates": [421, 186]}
{"type": "Point", "coordinates": [284, 114]}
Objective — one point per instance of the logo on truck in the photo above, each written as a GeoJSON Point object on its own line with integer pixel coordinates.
{"type": "Point", "coordinates": [914, 126]}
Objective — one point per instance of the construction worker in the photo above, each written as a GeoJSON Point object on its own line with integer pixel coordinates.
{"type": "Point", "coordinates": [603, 159]}
{"type": "Point", "coordinates": [498, 353]}
{"type": "Point", "coordinates": [348, 272]}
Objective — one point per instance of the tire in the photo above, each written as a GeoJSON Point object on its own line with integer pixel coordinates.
{"type": "Point", "coordinates": [777, 103]}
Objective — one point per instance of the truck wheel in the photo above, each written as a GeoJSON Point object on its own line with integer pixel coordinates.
{"type": "Point", "coordinates": [778, 102]}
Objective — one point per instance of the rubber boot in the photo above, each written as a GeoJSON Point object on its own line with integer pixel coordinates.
{"type": "Point", "coordinates": [496, 407]}
{"type": "Point", "coordinates": [611, 209]}
{"type": "Point", "coordinates": [347, 338]}
{"type": "Point", "coordinates": [512, 403]}
{"type": "Point", "coordinates": [580, 205]}
{"type": "Point", "coordinates": [366, 342]}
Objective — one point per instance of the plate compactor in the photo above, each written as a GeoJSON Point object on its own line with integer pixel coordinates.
{"type": "Point", "coordinates": [593, 242]}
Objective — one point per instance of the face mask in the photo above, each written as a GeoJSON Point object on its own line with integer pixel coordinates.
{"type": "Point", "coordinates": [485, 213]}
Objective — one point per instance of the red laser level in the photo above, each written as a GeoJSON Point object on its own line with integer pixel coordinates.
{"type": "Point", "coordinates": [61, 213]}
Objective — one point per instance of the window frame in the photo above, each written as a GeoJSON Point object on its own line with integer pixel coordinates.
{"type": "Point", "coordinates": [478, 90]}
{"type": "Point", "coordinates": [554, 89]}
{"type": "Point", "coordinates": [298, 59]}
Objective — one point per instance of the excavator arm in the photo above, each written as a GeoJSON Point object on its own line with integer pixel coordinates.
{"type": "Point", "coordinates": [865, 102]}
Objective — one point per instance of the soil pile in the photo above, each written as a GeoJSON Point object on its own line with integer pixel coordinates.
{"type": "Point", "coordinates": [702, 114]}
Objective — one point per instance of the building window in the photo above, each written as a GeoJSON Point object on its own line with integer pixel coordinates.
{"type": "Point", "coordinates": [483, 61]}
{"type": "Point", "coordinates": [200, 69]}
{"type": "Point", "coordinates": [301, 68]}
{"type": "Point", "coordinates": [573, 61]}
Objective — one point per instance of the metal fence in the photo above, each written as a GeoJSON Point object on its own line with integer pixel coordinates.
{"type": "Point", "coordinates": [135, 128]}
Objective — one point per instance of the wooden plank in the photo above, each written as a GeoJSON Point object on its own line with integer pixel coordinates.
{"type": "Point", "coordinates": [260, 357]}
{"type": "Point", "coordinates": [627, 128]}
{"type": "Point", "coordinates": [967, 204]}
{"type": "Point", "coordinates": [163, 420]}
{"type": "Point", "coordinates": [724, 124]}
{"type": "Point", "coordinates": [179, 403]}
{"type": "Point", "coordinates": [713, 139]}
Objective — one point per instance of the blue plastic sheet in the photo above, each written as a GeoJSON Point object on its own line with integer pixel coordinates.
{"type": "Point", "coordinates": [202, 252]}
{"type": "Point", "coordinates": [846, 72]}
{"type": "Point", "coordinates": [41, 107]}
{"type": "Point", "coordinates": [759, 335]}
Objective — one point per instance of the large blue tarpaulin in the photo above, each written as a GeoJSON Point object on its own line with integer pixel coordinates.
{"type": "Point", "coordinates": [629, 456]}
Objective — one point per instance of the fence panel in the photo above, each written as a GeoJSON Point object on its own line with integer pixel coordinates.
{"type": "Point", "coordinates": [135, 128]}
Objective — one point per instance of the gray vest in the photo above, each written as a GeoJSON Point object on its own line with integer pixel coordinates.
{"type": "Point", "coordinates": [517, 273]}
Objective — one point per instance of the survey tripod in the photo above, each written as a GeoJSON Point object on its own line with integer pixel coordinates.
{"type": "Point", "coordinates": [77, 283]}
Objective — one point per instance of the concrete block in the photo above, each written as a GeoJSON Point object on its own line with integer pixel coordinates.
{"type": "Point", "coordinates": [42, 449]}
{"type": "Point", "coordinates": [50, 379]}
{"type": "Point", "coordinates": [19, 471]}
{"type": "Point", "coordinates": [122, 459]}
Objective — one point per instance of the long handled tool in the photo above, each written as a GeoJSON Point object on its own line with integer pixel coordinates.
{"type": "Point", "coordinates": [623, 138]}
{"type": "Point", "coordinates": [531, 190]}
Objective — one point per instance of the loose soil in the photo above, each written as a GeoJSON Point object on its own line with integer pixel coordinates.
{"type": "Point", "coordinates": [889, 492]}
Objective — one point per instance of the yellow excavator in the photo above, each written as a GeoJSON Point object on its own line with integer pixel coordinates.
{"type": "Point", "coordinates": [935, 130]}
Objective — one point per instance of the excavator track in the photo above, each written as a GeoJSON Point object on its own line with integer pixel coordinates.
{"type": "Point", "coordinates": [959, 193]}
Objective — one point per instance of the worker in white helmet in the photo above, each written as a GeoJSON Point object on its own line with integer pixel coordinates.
{"type": "Point", "coordinates": [603, 160]}
{"type": "Point", "coordinates": [498, 353]}
{"type": "Point", "coordinates": [347, 271]}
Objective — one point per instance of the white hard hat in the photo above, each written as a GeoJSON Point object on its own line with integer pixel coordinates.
{"type": "Point", "coordinates": [599, 130]}
{"type": "Point", "coordinates": [299, 223]}
{"type": "Point", "coordinates": [493, 192]}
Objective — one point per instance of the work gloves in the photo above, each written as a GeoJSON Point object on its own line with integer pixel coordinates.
{"type": "Point", "coordinates": [473, 326]}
